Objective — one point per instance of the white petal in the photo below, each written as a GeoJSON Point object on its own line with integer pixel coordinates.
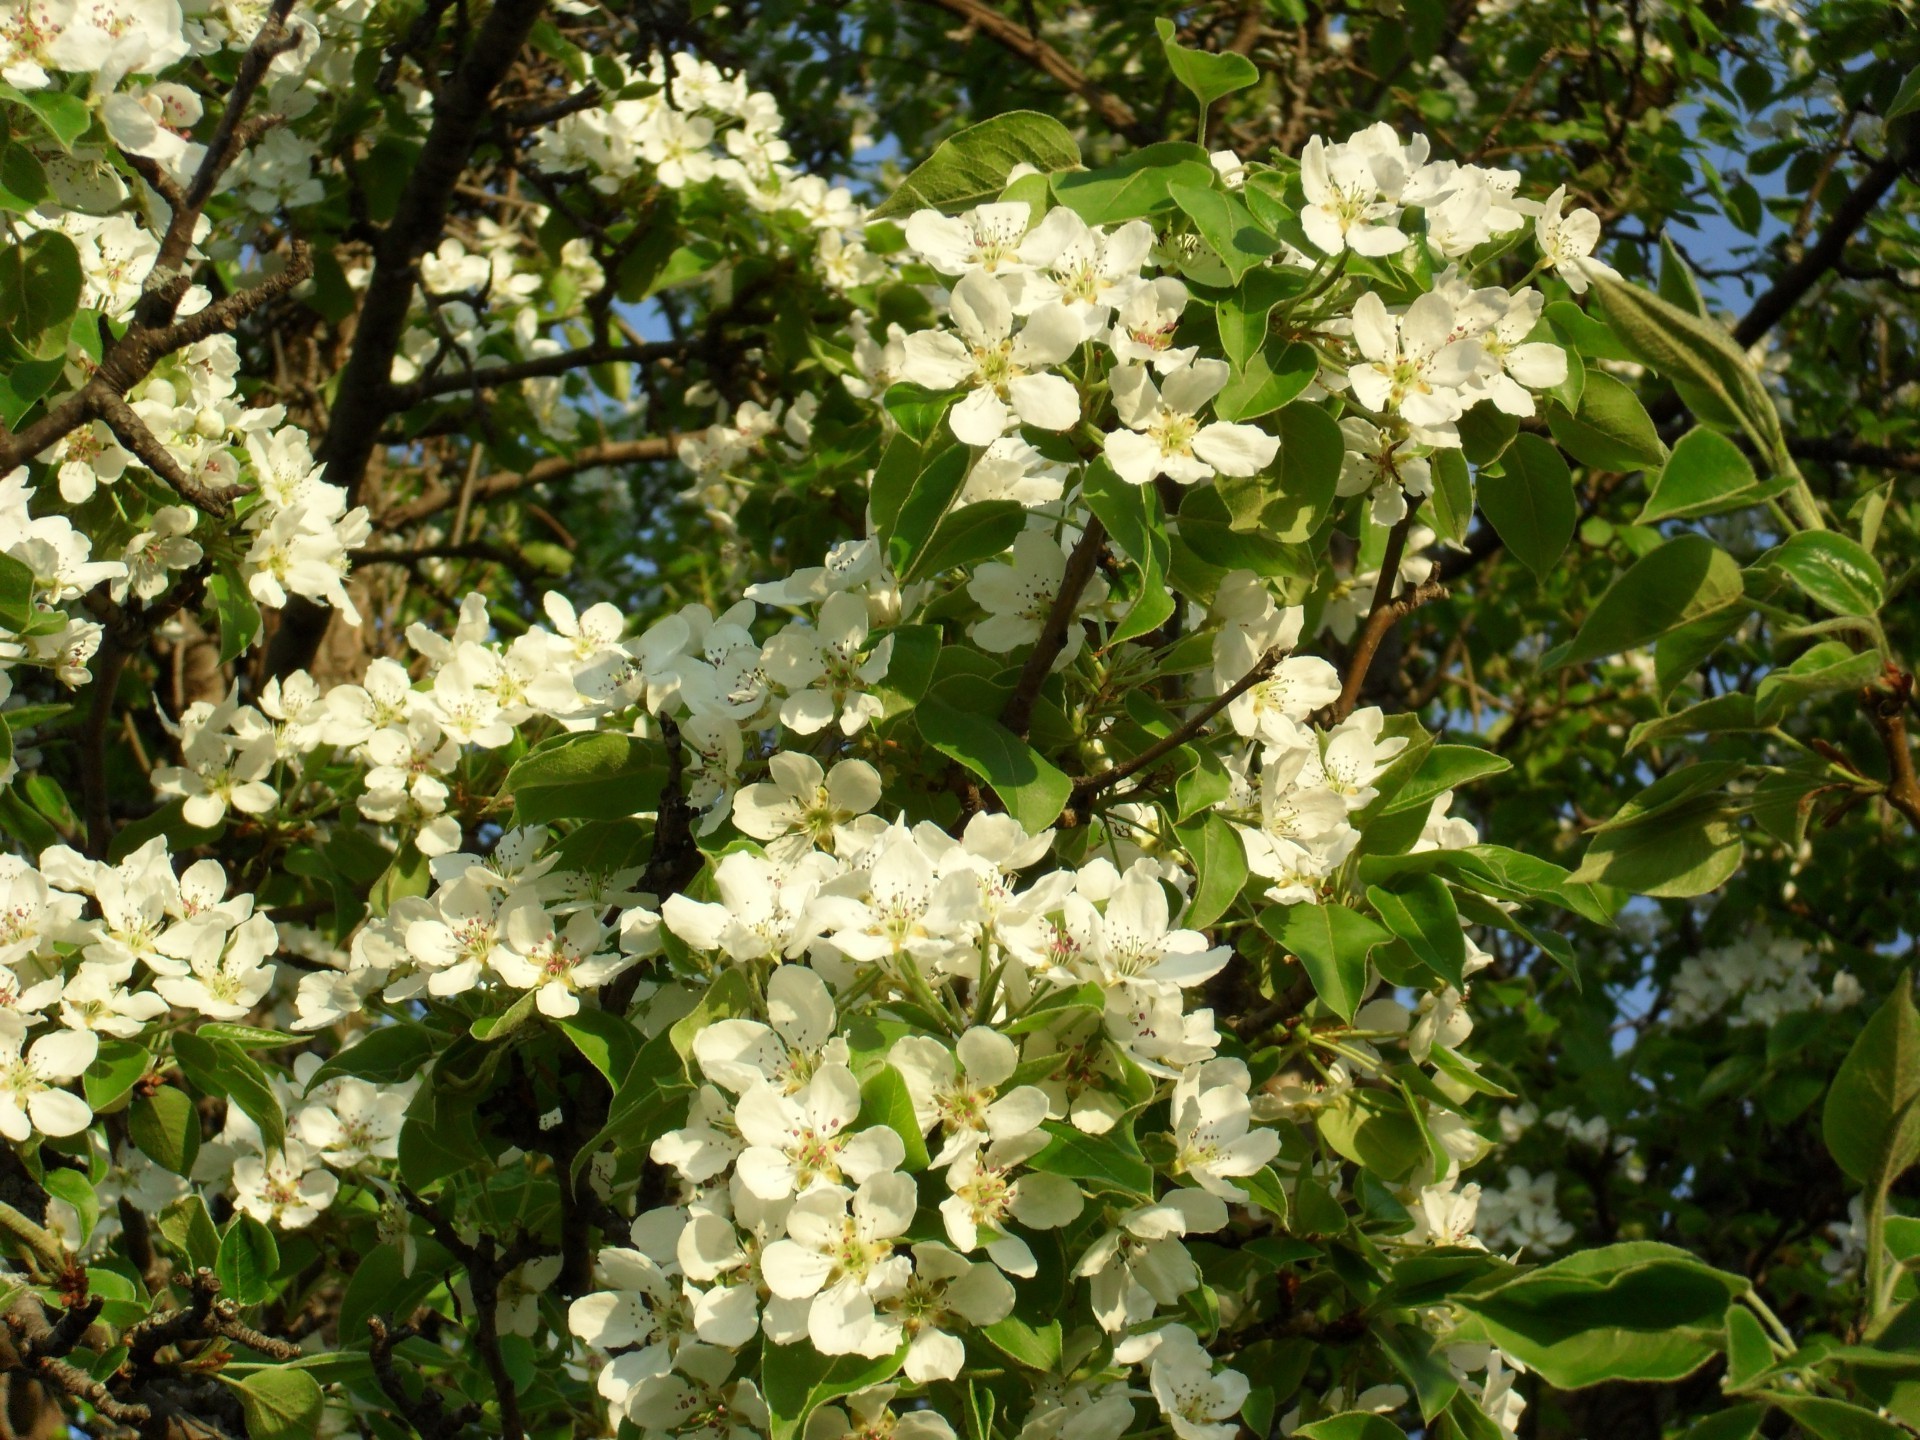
{"type": "Point", "coordinates": [1235, 449]}
{"type": "Point", "coordinates": [1048, 401]}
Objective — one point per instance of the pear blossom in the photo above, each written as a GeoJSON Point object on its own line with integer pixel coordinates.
{"type": "Point", "coordinates": [960, 1090]}
{"type": "Point", "coordinates": [33, 1077]}
{"type": "Point", "coordinates": [801, 805]}
{"type": "Point", "coordinates": [1019, 597]}
{"type": "Point", "coordinates": [1413, 365]}
{"type": "Point", "coordinates": [1164, 435]}
{"type": "Point", "coordinates": [1006, 375]}
{"type": "Point", "coordinates": [1214, 1138]}
{"type": "Point", "coordinates": [799, 1142]}
{"type": "Point", "coordinates": [839, 1253]}
{"type": "Point", "coordinates": [1567, 240]}
{"type": "Point", "coordinates": [1353, 190]}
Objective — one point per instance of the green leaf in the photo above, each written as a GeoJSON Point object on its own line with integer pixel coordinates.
{"type": "Point", "coordinates": [1827, 667]}
{"type": "Point", "coordinates": [116, 1068]}
{"type": "Point", "coordinates": [1292, 499]}
{"type": "Point", "coordinates": [1444, 768]}
{"type": "Point", "coordinates": [1742, 1422]}
{"type": "Point", "coordinates": [249, 1037]}
{"type": "Point", "coordinates": [728, 998]}
{"type": "Point", "coordinates": [237, 614]}
{"type": "Point", "coordinates": [607, 1041]}
{"type": "Point", "coordinates": [650, 1101]}
{"type": "Point", "coordinates": [1611, 430]}
{"type": "Point", "coordinates": [1412, 1352]}
{"type": "Point", "coordinates": [1332, 943]}
{"type": "Point", "coordinates": [930, 496]}
{"type": "Point", "coordinates": [1422, 913]}
{"type": "Point", "coordinates": [885, 1100]}
{"type": "Point", "coordinates": [1036, 1347]}
{"type": "Point", "coordinates": [76, 1190]}
{"type": "Point", "coordinates": [1826, 1419]}
{"type": "Point", "coordinates": [1695, 352]}
{"type": "Point", "coordinates": [390, 1055]}
{"type": "Point", "coordinates": [972, 165]}
{"type": "Point", "coordinates": [65, 117]}
{"type": "Point", "coordinates": [1907, 98]}
{"type": "Point", "coordinates": [1686, 850]}
{"type": "Point", "coordinates": [968, 535]}
{"type": "Point", "coordinates": [1452, 502]}
{"type": "Point", "coordinates": [1749, 1353]}
{"type": "Point", "coordinates": [918, 411]}
{"type": "Point", "coordinates": [1207, 75]}
{"type": "Point", "coordinates": [1219, 865]}
{"type": "Point", "coordinates": [1872, 1118]}
{"type": "Point", "coordinates": [248, 1261]}
{"type": "Point", "coordinates": [1832, 570]}
{"type": "Point", "coordinates": [1274, 374]}
{"type": "Point", "coordinates": [1706, 475]}
{"type": "Point", "coordinates": [1111, 1161]}
{"type": "Point", "coordinates": [1723, 715]}
{"type": "Point", "coordinates": [1135, 185]}
{"type": "Point", "coordinates": [282, 1403]}
{"type": "Point", "coordinates": [1352, 1425]}
{"type": "Point", "coordinates": [165, 1127]}
{"type": "Point", "coordinates": [502, 1023]}
{"type": "Point", "coordinates": [23, 184]}
{"type": "Point", "coordinates": [40, 284]}
{"type": "Point", "coordinates": [186, 1225]}
{"type": "Point", "coordinates": [221, 1068]}
{"type": "Point", "coordinates": [1632, 1311]}
{"type": "Point", "coordinates": [602, 775]}
{"type": "Point", "coordinates": [16, 594]}
{"type": "Point", "coordinates": [797, 1380]}
{"type": "Point", "coordinates": [1680, 582]}
{"type": "Point", "coordinates": [1528, 499]}
{"type": "Point", "coordinates": [1033, 790]}
{"type": "Point", "coordinates": [1226, 224]}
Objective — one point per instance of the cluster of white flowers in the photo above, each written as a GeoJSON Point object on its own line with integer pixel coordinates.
{"type": "Point", "coordinates": [1756, 980]}
{"type": "Point", "coordinates": [1523, 1215]}
{"type": "Point", "coordinates": [904, 1026]}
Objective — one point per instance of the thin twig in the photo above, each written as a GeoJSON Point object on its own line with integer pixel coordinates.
{"type": "Point", "coordinates": [1017, 714]}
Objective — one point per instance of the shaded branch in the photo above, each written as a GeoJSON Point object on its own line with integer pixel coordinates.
{"type": "Point", "coordinates": [505, 482]}
{"type": "Point", "coordinates": [1088, 786]}
{"type": "Point", "coordinates": [1379, 622]}
{"type": "Point", "coordinates": [485, 377]}
{"type": "Point", "coordinates": [1824, 254]}
{"type": "Point", "coordinates": [1017, 39]}
{"type": "Point", "coordinates": [1886, 705]}
{"type": "Point", "coordinates": [366, 396]}
{"type": "Point", "coordinates": [1017, 714]}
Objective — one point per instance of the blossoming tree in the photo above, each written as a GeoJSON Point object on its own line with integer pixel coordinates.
{"type": "Point", "coordinates": [972, 918]}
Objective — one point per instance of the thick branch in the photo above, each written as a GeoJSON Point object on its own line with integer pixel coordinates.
{"type": "Point", "coordinates": [1114, 112]}
{"type": "Point", "coordinates": [1801, 276]}
{"type": "Point", "coordinates": [1017, 715]}
{"type": "Point", "coordinates": [460, 108]}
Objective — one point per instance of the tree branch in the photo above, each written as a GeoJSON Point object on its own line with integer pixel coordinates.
{"type": "Point", "coordinates": [1886, 705]}
{"type": "Point", "coordinates": [485, 377]}
{"type": "Point", "coordinates": [1017, 715]}
{"type": "Point", "coordinates": [1801, 276]}
{"type": "Point", "coordinates": [505, 482]}
{"type": "Point", "coordinates": [365, 395]}
{"type": "Point", "coordinates": [1088, 786]}
{"type": "Point", "coordinates": [1014, 37]}
{"type": "Point", "coordinates": [1379, 622]}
